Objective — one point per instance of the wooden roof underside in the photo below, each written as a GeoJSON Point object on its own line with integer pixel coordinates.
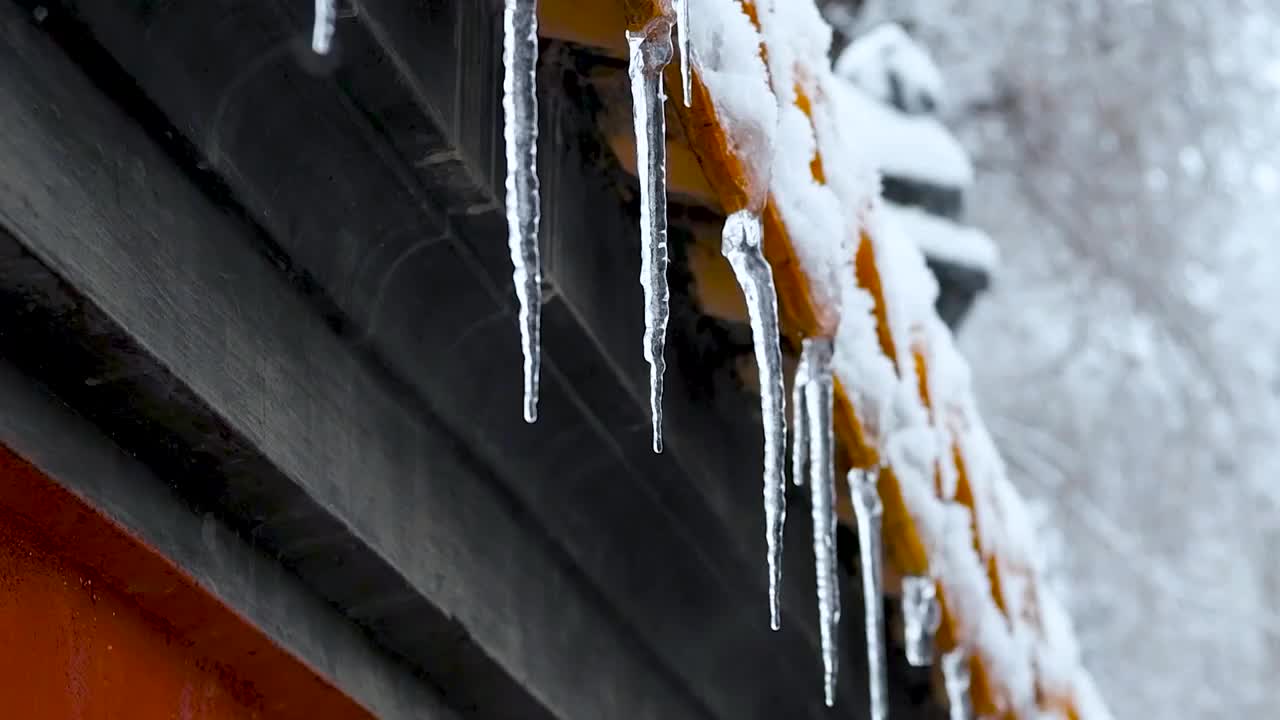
{"type": "Point", "coordinates": [282, 283]}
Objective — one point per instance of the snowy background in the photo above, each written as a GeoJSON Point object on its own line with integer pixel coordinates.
{"type": "Point", "coordinates": [1128, 166]}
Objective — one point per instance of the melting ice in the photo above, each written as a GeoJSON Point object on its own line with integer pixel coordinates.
{"type": "Point", "coordinates": [742, 244]}
{"type": "Point", "coordinates": [868, 511]}
{"type": "Point", "coordinates": [520, 108]}
{"type": "Point", "coordinates": [650, 53]}
{"type": "Point", "coordinates": [921, 617]}
{"type": "Point", "coordinates": [817, 397]}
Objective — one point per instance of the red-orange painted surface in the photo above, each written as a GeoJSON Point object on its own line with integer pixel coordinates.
{"type": "Point", "coordinates": [94, 625]}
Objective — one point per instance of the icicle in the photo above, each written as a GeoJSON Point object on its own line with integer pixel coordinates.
{"type": "Point", "coordinates": [921, 616]}
{"type": "Point", "coordinates": [650, 53]}
{"type": "Point", "coordinates": [955, 673]}
{"type": "Point", "coordinates": [322, 29]}
{"type": "Point", "coordinates": [742, 245]}
{"type": "Point", "coordinates": [816, 398]}
{"type": "Point", "coordinates": [520, 105]}
{"type": "Point", "coordinates": [868, 510]}
{"type": "Point", "coordinates": [799, 423]}
{"type": "Point", "coordinates": [686, 58]}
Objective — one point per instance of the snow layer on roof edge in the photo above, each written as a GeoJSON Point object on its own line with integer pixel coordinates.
{"type": "Point", "coordinates": [943, 239]}
{"type": "Point", "coordinates": [914, 147]}
{"type": "Point", "coordinates": [726, 55]}
{"type": "Point", "coordinates": [886, 398]}
{"type": "Point", "coordinates": [1089, 702]}
{"type": "Point", "coordinates": [1000, 642]}
{"type": "Point", "coordinates": [822, 220]}
{"type": "Point", "coordinates": [1039, 629]}
{"type": "Point", "coordinates": [886, 56]}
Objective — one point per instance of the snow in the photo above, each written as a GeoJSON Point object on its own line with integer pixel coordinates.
{"type": "Point", "coordinates": [1036, 629]}
{"type": "Point", "coordinates": [826, 214]}
{"type": "Point", "coordinates": [726, 52]}
{"type": "Point", "coordinates": [907, 146]}
{"type": "Point", "coordinates": [1089, 703]}
{"type": "Point", "coordinates": [890, 66]}
{"type": "Point", "coordinates": [943, 239]}
{"type": "Point", "coordinates": [1057, 653]}
{"type": "Point", "coordinates": [520, 129]}
{"type": "Point", "coordinates": [818, 406]}
{"type": "Point", "coordinates": [651, 51]}
{"type": "Point", "coordinates": [1129, 347]}
{"type": "Point", "coordinates": [947, 530]}
{"type": "Point", "coordinates": [743, 240]}
{"type": "Point", "coordinates": [813, 210]}
{"type": "Point", "coordinates": [908, 286]}
{"type": "Point", "coordinates": [326, 15]}
{"type": "Point", "coordinates": [869, 512]}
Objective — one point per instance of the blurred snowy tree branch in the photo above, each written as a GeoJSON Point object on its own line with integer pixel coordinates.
{"type": "Point", "coordinates": [1128, 359]}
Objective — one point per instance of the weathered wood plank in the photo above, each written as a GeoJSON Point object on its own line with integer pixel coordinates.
{"type": "Point", "coordinates": [98, 204]}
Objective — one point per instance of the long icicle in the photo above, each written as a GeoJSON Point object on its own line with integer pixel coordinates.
{"type": "Point", "coordinates": [742, 243]}
{"type": "Point", "coordinates": [520, 106]}
{"type": "Point", "coordinates": [819, 398]}
{"type": "Point", "coordinates": [799, 423]}
{"type": "Point", "coordinates": [921, 617]}
{"type": "Point", "coordinates": [868, 510]}
{"type": "Point", "coordinates": [686, 57]}
{"type": "Point", "coordinates": [326, 18]}
{"type": "Point", "coordinates": [650, 53]}
{"type": "Point", "coordinates": [955, 673]}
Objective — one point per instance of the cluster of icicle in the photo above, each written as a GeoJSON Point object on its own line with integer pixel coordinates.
{"type": "Point", "coordinates": [651, 51]}
{"type": "Point", "coordinates": [813, 443]}
{"type": "Point", "coordinates": [813, 460]}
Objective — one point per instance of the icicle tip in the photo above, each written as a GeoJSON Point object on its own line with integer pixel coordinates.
{"type": "Point", "coordinates": [523, 204]}
{"type": "Point", "coordinates": [650, 52]}
{"type": "Point", "coordinates": [686, 54]}
{"type": "Point", "coordinates": [326, 16]}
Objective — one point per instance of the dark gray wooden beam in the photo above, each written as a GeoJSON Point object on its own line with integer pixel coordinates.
{"type": "Point", "coordinates": [373, 479]}
{"type": "Point", "coordinates": [380, 181]}
{"type": "Point", "coordinates": [373, 178]}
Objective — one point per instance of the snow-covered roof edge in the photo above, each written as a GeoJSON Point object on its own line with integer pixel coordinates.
{"type": "Point", "coordinates": [823, 219]}
{"type": "Point", "coordinates": [943, 239]}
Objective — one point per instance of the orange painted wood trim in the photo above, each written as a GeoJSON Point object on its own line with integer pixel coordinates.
{"type": "Point", "coordinates": [868, 274]}
{"type": "Point", "coordinates": [597, 25]}
{"type": "Point", "coordinates": [95, 624]}
{"type": "Point", "coordinates": [685, 179]}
